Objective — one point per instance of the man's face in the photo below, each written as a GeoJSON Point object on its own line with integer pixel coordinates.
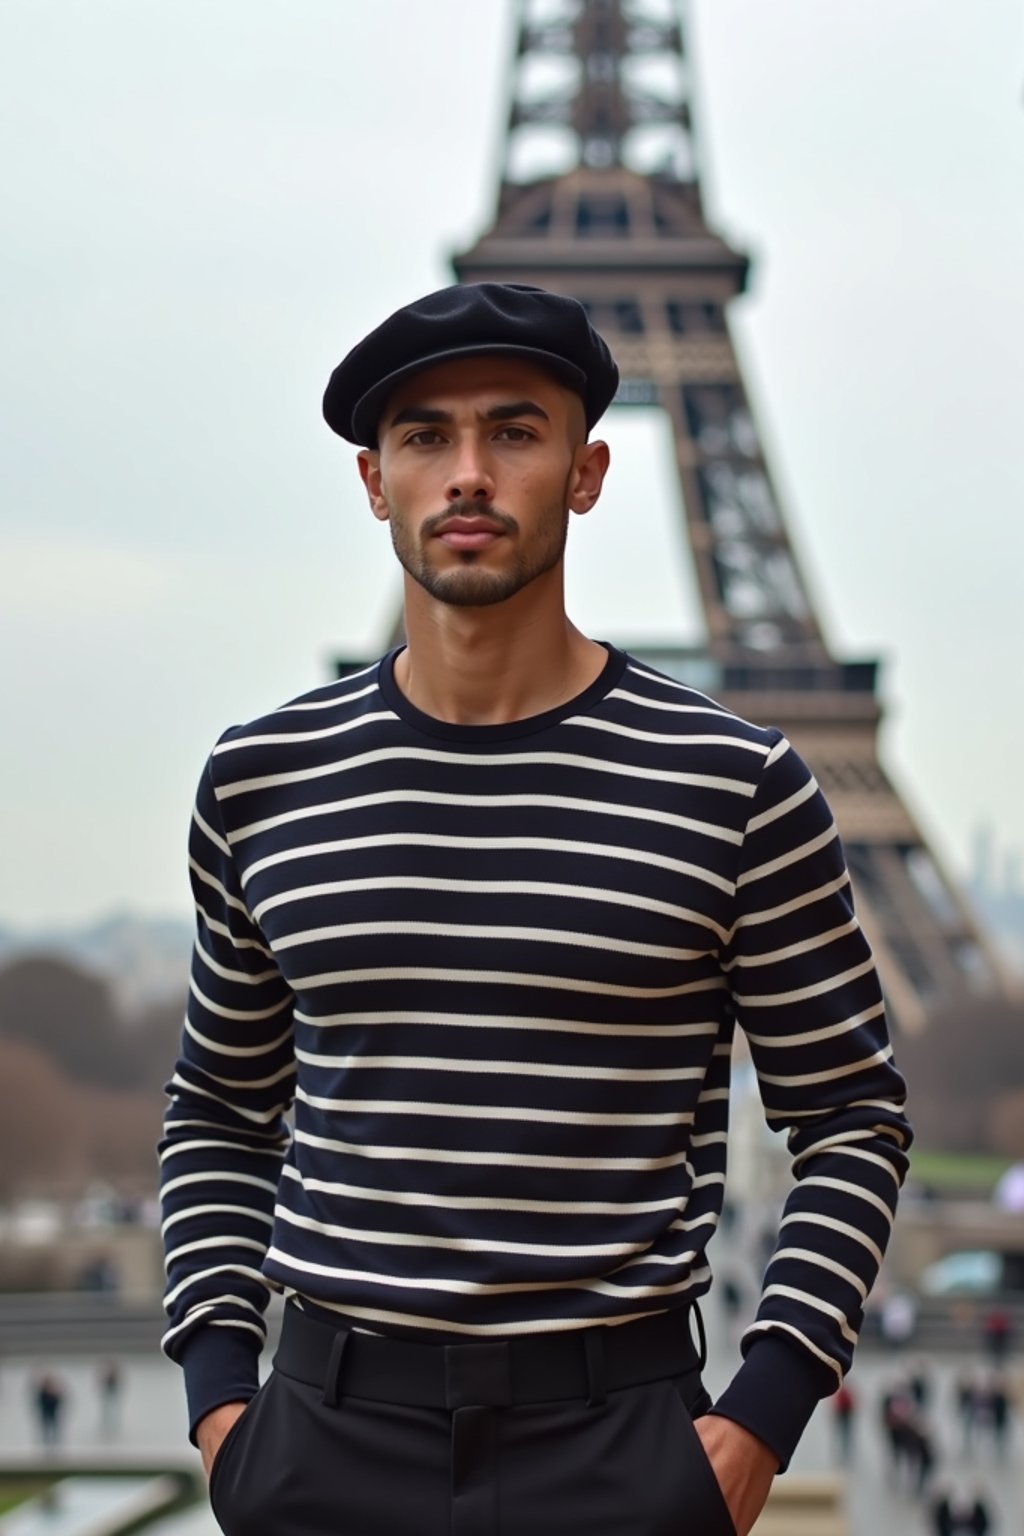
{"type": "Point", "coordinates": [480, 462]}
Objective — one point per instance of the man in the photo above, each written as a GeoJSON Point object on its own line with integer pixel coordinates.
{"type": "Point", "coordinates": [961, 1515]}
{"type": "Point", "coordinates": [488, 913]}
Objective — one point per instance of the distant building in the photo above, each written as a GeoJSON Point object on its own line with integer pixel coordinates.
{"type": "Point", "coordinates": [996, 887]}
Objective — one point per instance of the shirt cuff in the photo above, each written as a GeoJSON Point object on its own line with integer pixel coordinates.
{"type": "Point", "coordinates": [221, 1365]}
{"type": "Point", "coordinates": [775, 1391]}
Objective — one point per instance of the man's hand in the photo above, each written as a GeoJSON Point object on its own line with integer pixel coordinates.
{"type": "Point", "coordinates": [743, 1465]}
{"type": "Point", "coordinates": [210, 1431]}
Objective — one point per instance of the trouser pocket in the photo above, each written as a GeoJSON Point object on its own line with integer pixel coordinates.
{"type": "Point", "coordinates": [706, 1513]}
{"type": "Point", "coordinates": [296, 1466]}
{"type": "Point", "coordinates": [233, 1464]}
{"type": "Point", "coordinates": [630, 1465]}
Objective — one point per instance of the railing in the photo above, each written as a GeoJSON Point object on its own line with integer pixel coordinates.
{"type": "Point", "coordinates": [76, 1322]}
{"type": "Point", "coordinates": [86, 1322]}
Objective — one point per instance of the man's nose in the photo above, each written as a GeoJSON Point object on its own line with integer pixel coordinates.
{"type": "Point", "coordinates": [470, 478]}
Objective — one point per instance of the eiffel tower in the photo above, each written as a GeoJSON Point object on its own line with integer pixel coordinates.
{"type": "Point", "coordinates": [600, 198]}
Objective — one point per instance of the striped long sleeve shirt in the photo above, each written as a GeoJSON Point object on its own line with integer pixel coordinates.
{"type": "Point", "coordinates": [456, 1061]}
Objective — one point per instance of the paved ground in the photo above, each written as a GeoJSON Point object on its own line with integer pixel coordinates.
{"type": "Point", "coordinates": [151, 1420]}
{"type": "Point", "coordinates": [877, 1503]}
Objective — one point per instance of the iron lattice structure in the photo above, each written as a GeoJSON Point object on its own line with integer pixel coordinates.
{"type": "Point", "coordinates": [600, 198]}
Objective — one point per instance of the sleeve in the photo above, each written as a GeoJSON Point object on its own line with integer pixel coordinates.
{"type": "Point", "coordinates": [806, 993]}
{"type": "Point", "coordinates": [224, 1131]}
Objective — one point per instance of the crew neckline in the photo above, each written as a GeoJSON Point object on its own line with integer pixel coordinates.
{"type": "Point", "coordinates": [530, 725]}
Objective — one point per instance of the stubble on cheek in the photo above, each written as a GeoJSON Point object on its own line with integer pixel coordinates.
{"type": "Point", "coordinates": [470, 584]}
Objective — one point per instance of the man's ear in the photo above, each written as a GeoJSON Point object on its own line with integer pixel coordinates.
{"type": "Point", "coordinates": [369, 471]}
{"type": "Point", "coordinates": [590, 466]}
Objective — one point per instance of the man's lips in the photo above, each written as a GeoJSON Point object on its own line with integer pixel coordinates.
{"type": "Point", "coordinates": [469, 533]}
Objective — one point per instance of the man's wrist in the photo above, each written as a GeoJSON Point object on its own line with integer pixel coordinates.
{"type": "Point", "coordinates": [221, 1366]}
{"type": "Point", "coordinates": [743, 1465]}
{"type": "Point", "coordinates": [213, 1428]}
{"type": "Point", "coordinates": [752, 1446]}
{"type": "Point", "coordinates": [775, 1392]}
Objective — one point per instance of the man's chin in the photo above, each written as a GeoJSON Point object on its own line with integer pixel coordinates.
{"type": "Point", "coordinates": [470, 589]}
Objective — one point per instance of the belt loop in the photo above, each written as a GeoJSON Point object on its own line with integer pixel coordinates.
{"type": "Point", "coordinates": [593, 1346]}
{"type": "Point", "coordinates": [702, 1338]}
{"type": "Point", "coordinates": [332, 1381]}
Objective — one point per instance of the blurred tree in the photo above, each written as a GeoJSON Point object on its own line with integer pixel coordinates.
{"type": "Point", "coordinates": [80, 1086]}
{"type": "Point", "coordinates": [69, 1015]}
{"type": "Point", "coordinates": [153, 1044]}
{"type": "Point", "coordinates": [119, 1133]}
{"type": "Point", "coordinates": [58, 1137]}
{"type": "Point", "coordinates": [40, 1122]}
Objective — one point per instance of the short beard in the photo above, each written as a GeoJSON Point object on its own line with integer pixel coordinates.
{"type": "Point", "coordinates": [467, 586]}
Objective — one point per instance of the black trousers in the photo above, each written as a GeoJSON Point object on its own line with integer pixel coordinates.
{"type": "Point", "coordinates": [588, 1432]}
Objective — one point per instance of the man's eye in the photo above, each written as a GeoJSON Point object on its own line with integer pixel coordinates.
{"type": "Point", "coordinates": [515, 434]}
{"type": "Point", "coordinates": [425, 438]}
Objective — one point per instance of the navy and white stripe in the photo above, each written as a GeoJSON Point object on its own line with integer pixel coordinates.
{"type": "Point", "coordinates": [497, 970]}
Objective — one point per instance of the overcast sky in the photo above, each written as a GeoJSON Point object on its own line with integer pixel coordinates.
{"type": "Point", "coordinates": [206, 202]}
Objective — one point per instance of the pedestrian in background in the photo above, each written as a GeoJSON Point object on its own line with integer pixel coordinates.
{"type": "Point", "coordinates": [731, 1295]}
{"type": "Point", "coordinates": [919, 1384]}
{"type": "Point", "coordinates": [911, 1448]}
{"type": "Point", "coordinates": [966, 1389]}
{"type": "Point", "coordinates": [943, 1515]}
{"type": "Point", "coordinates": [959, 1514]}
{"type": "Point", "coordinates": [49, 1396]}
{"type": "Point", "coordinates": [109, 1385]}
{"type": "Point", "coordinates": [844, 1408]}
{"type": "Point", "coordinates": [898, 1319]}
{"type": "Point", "coordinates": [998, 1407]}
{"type": "Point", "coordinates": [979, 1519]}
{"type": "Point", "coordinates": [997, 1330]}
{"type": "Point", "coordinates": [920, 1453]}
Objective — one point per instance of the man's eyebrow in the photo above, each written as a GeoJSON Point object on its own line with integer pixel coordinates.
{"type": "Point", "coordinates": [419, 413]}
{"type": "Point", "coordinates": [516, 408]}
{"type": "Point", "coordinates": [432, 415]}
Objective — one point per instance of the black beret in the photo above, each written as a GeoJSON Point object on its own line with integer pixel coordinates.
{"type": "Point", "coordinates": [468, 319]}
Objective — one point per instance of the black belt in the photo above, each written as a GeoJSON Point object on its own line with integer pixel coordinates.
{"type": "Point", "coordinates": [537, 1368]}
